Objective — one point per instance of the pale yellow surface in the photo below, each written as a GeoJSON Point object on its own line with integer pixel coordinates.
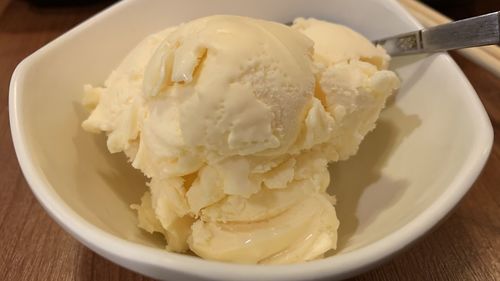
{"type": "Point", "coordinates": [235, 120]}
{"type": "Point", "coordinates": [334, 43]}
{"type": "Point", "coordinates": [352, 80]}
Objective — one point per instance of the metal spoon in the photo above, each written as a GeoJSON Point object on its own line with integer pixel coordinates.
{"type": "Point", "coordinates": [472, 32]}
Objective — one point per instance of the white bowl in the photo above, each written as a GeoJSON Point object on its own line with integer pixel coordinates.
{"type": "Point", "coordinates": [428, 148]}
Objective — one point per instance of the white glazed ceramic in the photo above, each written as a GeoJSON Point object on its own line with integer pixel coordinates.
{"type": "Point", "coordinates": [429, 146]}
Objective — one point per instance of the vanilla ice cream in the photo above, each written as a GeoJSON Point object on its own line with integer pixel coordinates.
{"type": "Point", "coordinates": [234, 121]}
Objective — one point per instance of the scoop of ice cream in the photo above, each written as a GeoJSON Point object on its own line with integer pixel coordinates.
{"type": "Point", "coordinates": [296, 215]}
{"type": "Point", "coordinates": [352, 81]}
{"type": "Point", "coordinates": [234, 120]}
{"type": "Point", "coordinates": [221, 82]}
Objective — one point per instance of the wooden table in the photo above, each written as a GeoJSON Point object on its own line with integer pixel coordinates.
{"type": "Point", "coordinates": [33, 247]}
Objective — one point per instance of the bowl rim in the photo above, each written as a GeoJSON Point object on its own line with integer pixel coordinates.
{"type": "Point", "coordinates": [136, 256]}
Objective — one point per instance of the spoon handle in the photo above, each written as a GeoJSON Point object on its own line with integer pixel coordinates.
{"type": "Point", "coordinates": [472, 32]}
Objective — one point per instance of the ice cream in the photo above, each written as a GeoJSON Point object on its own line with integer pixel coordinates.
{"type": "Point", "coordinates": [234, 121]}
{"type": "Point", "coordinates": [352, 78]}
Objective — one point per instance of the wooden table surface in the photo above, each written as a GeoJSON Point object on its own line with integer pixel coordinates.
{"type": "Point", "coordinates": [33, 247]}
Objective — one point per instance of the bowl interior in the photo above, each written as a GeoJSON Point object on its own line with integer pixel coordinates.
{"type": "Point", "coordinates": [423, 140]}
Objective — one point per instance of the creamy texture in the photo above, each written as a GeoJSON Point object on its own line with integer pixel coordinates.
{"type": "Point", "coordinates": [352, 80]}
{"type": "Point", "coordinates": [234, 121]}
{"type": "Point", "coordinates": [222, 84]}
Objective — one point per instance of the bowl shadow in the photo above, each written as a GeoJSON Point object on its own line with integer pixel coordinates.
{"type": "Point", "coordinates": [117, 164]}
{"type": "Point", "coordinates": [118, 177]}
{"type": "Point", "coordinates": [351, 179]}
